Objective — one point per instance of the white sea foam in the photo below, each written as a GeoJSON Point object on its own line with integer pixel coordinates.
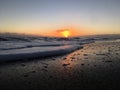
{"type": "Point", "coordinates": [18, 49]}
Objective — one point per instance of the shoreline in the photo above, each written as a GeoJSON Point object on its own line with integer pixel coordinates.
{"type": "Point", "coordinates": [96, 66]}
{"type": "Point", "coordinates": [36, 52]}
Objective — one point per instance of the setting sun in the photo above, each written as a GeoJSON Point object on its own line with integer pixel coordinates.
{"type": "Point", "coordinates": [66, 33]}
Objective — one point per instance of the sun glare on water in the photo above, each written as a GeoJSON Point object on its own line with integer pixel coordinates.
{"type": "Point", "coordinates": [66, 33]}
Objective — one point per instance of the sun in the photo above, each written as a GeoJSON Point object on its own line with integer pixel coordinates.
{"type": "Point", "coordinates": [66, 33]}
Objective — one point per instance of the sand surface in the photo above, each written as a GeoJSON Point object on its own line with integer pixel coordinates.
{"type": "Point", "coordinates": [95, 67]}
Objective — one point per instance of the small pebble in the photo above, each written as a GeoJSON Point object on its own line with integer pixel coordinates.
{"type": "Point", "coordinates": [23, 64]}
{"type": "Point", "coordinates": [33, 71]}
{"type": "Point", "coordinates": [66, 64]}
{"type": "Point", "coordinates": [85, 55]}
{"type": "Point", "coordinates": [45, 66]}
{"type": "Point", "coordinates": [108, 61]}
{"type": "Point", "coordinates": [44, 70]}
{"type": "Point", "coordinates": [26, 75]}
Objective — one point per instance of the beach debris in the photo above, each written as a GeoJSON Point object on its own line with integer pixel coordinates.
{"type": "Point", "coordinates": [64, 58]}
{"type": "Point", "coordinates": [66, 64]}
{"type": "Point", "coordinates": [26, 75]}
{"type": "Point", "coordinates": [44, 69]}
{"type": "Point", "coordinates": [81, 51]}
{"type": "Point", "coordinates": [85, 54]}
{"type": "Point", "coordinates": [108, 61]}
{"type": "Point", "coordinates": [82, 64]}
{"type": "Point", "coordinates": [94, 65]}
{"type": "Point", "coordinates": [100, 54]}
{"type": "Point", "coordinates": [86, 58]}
{"type": "Point", "coordinates": [22, 64]}
{"type": "Point", "coordinates": [45, 66]}
{"type": "Point", "coordinates": [117, 53]}
{"type": "Point", "coordinates": [33, 72]}
{"type": "Point", "coordinates": [72, 57]}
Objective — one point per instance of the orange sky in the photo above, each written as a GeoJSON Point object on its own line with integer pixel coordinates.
{"type": "Point", "coordinates": [60, 32]}
{"type": "Point", "coordinates": [45, 18]}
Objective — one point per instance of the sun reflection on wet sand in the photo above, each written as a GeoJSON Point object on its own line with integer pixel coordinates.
{"type": "Point", "coordinates": [69, 60]}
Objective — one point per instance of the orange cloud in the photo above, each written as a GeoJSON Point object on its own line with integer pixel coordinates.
{"type": "Point", "coordinates": [67, 33]}
{"type": "Point", "coordinates": [64, 32]}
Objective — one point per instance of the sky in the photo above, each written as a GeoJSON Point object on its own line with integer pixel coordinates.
{"type": "Point", "coordinates": [46, 17]}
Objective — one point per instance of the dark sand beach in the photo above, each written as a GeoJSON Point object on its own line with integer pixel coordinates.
{"type": "Point", "coordinates": [95, 67]}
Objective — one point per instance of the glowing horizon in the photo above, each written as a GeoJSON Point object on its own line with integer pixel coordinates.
{"type": "Point", "coordinates": [42, 17]}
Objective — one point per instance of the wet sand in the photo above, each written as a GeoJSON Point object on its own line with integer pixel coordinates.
{"type": "Point", "coordinates": [95, 67]}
